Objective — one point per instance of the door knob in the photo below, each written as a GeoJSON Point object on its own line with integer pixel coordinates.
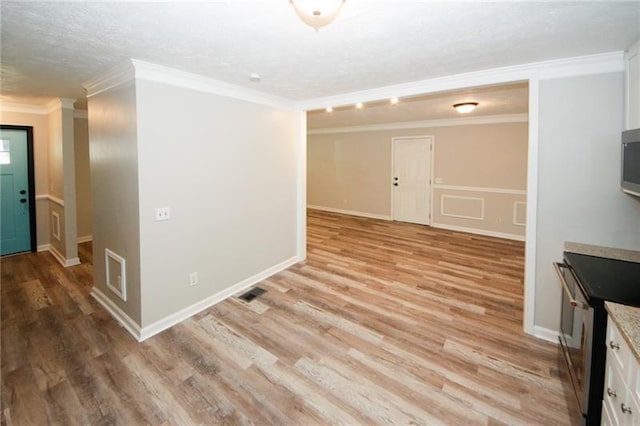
{"type": "Point", "coordinates": [23, 200]}
{"type": "Point", "coordinates": [23, 192]}
{"type": "Point", "coordinates": [395, 183]}
{"type": "Point", "coordinates": [395, 178]}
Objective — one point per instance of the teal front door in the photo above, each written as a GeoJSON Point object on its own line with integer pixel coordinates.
{"type": "Point", "coordinates": [16, 190]}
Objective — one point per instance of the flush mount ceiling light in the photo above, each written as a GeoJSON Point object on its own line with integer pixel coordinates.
{"type": "Point", "coordinates": [317, 13]}
{"type": "Point", "coordinates": [359, 105]}
{"type": "Point", "coordinates": [465, 107]}
{"type": "Point", "coordinates": [394, 101]}
{"type": "Point", "coordinates": [329, 109]}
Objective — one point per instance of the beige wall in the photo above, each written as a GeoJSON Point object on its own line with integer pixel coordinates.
{"type": "Point", "coordinates": [487, 155]}
{"type": "Point", "coordinates": [83, 177]}
{"type": "Point", "coordinates": [352, 172]}
{"type": "Point", "coordinates": [62, 180]}
{"type": "Point", "coordinates": [114, 181]}
{"type": "Point", "coordinates": [40, 124]}
{"type": "Point", "coordinates": [228, 170]}
{"type": "Point", "coordinates": [56, 183]}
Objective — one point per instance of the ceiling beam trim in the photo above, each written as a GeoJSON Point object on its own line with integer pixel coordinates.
{"type": "Point", "coordinates": [447, 122]}
{"type": "Point", "coordinates": [582, 65]}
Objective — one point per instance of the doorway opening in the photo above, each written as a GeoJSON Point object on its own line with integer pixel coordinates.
{"type": "Point", "coordinates": [477, 181]}
{"type": "Point", "coordinates": [17, 187]}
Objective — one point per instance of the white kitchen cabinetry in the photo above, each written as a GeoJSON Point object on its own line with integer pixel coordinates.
{"type": "Point", "coordinates": [621, 402]}
{"type": "Point", "coordinates": [632, 65]}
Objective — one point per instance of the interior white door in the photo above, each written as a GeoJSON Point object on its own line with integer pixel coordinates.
{"type": "Point", "coordinates": [411, 179]}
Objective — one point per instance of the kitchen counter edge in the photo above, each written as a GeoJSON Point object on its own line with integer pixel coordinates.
{"type": "Point", "coordinates": [627, 318]}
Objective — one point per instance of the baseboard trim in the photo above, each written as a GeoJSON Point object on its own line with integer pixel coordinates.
{"type": "Point", "coordinates": [125, 320]}
{"type": "Point", "coordinates": [85, 239]}
{"type": "Point", "coordinates": [479, 231]}
{"type": "Point", "coordinates": [74, 261]}
{"type": "Point", "coordinates": [546, 334]}
{"type": "Point", "coordinates": [175, 318]}
{"type": "Point", "coordinates": [350, 212]}
{"type": "Point", "coordinates": [58, 256]}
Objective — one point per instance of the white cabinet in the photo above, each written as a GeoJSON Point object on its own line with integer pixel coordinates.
{"type": "Point", "coordinates": [632, 65]}
{"type": "Point", "coordinates": [621, 401]}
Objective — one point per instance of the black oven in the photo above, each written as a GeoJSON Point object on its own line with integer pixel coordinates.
{"type": "Point", "coordinates": [576, 334]}
{"type": "Point", "coordinates": [587, 282]}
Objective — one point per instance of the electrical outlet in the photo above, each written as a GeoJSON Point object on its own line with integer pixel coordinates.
{"type": "Point", "coordinates": [163, 213]}
{"type": "Point", "coordinates": [193, 278]}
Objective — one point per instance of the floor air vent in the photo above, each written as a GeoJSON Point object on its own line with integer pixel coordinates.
{"type": "Point", "coordinates": [252, 294]}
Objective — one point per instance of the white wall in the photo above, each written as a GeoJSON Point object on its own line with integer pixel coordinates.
{"type": "Point", "coordinates": [228, 170]}
{"type": "Point", "coordinates": [579, 197]}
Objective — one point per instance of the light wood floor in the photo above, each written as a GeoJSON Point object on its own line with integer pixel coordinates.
{"type": "Point", "coordinates": [384, 323]}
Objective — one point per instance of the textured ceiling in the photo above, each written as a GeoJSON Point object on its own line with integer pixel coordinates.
{"type": "Point", "coordinates": [494, 100]}
{"type": "Point", "coordinates": [51, 48]}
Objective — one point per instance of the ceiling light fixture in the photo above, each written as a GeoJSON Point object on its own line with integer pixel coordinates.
{"type": "Point", "coordinates": [317, 13]}
{"type": "Point", "coordinates": [329, 109]}
{"type": "Point", "coordinates": [465, 107]}
{"type": "Point", "coordinates": [394, 101]}
{"type": "Point", "coordinates": [359, 105]}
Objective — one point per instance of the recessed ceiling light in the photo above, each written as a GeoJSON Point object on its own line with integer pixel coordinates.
{"type": "Point", "coordinates": [329, 109]}
{"type": "Point", "coordinates": [465, 107]}
{"type": "Point", "coordinates": [359, 105]}
{"type": "Point", "coordinates": [254, 76]}
{"type": "Point", "coordinates": [394, 101]}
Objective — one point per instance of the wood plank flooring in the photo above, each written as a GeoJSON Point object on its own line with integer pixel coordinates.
{"type": "Point", "coordinates": [384, 323]}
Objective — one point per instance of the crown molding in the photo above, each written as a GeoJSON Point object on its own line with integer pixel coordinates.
{"type": "Point", "coordinates": [446, 122]}
{"type": "Point", "coordinates": [187, 80]}
{"type": "Point", "coordinates": [110, 79]}
{"type": "Point", "coordinates": [558, 68]}
{"type": "Point", "coordinates": [23, 108]}
{"type": "Point", "coordinates": [49, 107]}
{"type": "Point", "coordinates": [134, 69]}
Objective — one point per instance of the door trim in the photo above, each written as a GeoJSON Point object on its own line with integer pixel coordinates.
{"type": "Point", "coordinates": [32, 182]}
{"type": "Point", "coordinates": [430, 186]}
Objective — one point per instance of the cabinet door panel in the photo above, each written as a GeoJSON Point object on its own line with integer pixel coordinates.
{"type": "Point", "coordinates": [614, 391]}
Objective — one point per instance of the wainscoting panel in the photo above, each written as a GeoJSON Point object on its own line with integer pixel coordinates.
{"type": "Point", "coordinates": [520, 213]}
{"type": "Point", "coordinates": [462, 207]}
{"type": "Point", "coordinates": [489, 211]}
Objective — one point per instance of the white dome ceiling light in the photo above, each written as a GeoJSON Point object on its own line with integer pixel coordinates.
{"type": "Point", "coordinates": [465, 107]}
{"type": "Point", "coordinates": [317, 13]}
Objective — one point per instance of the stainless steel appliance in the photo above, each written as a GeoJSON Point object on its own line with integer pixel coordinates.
{"type": "Point", "coordinates": [576, 334]}
{"type": "Point", "coordinates": [587, 282]}
{"type": "Point", "coordinates": [630, 177]}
